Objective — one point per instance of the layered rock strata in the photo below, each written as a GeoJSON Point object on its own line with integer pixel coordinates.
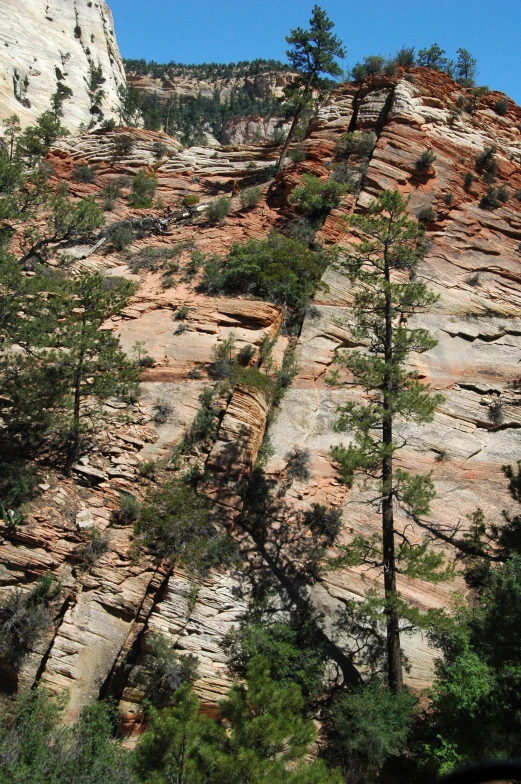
{"type": "Point", "coordinates": [473, 263]}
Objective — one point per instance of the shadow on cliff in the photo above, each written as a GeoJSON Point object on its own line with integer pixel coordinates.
{"type": "Point", "coordinates": [292, 550]}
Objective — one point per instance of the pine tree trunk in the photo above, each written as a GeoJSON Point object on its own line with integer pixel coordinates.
{"type": "Point", "coordinates": [289, 138]}
{"type": "Point", "coordinates": [394, 653]}
{"type": "Point", "coordinates": [74, 444]}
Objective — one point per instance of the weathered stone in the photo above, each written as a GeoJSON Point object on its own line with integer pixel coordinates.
{"type": "Point", "coordinates": [92, 475]}
{"type": "Point", "coordinates": [46, 42]}
{"type": "Point", "coordinates": [84, 519]}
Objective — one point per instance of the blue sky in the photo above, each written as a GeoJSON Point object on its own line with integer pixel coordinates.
{"type": "Point", "coordinates": [225, 31]}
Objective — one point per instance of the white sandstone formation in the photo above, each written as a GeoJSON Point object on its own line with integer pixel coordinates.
{"type": "Point", "coordinates": [43, 42]}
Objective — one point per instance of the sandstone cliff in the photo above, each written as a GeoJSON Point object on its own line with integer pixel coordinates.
{"type": "Point", "coordinates": [43, 43]}
{"type": "Point", "coordinates": [473, 263]}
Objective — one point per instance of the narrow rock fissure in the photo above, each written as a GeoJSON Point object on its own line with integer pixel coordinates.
{"type": "Point", "coordinates": [116, 680]}
{"type": "Point", "coordinates": [69, 601]}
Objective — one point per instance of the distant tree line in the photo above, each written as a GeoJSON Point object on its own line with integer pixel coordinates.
{"type": "Point", "coordinates": [203, 70]}
{"type": "Point", "coordinates": [189, 117]}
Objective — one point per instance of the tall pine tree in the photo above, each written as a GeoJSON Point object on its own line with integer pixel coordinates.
{"type": "Point", "coordinates": [388, 251]}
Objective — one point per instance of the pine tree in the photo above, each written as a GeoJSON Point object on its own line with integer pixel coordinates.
{"type": "Point", "coordinates": [96, 367]}
{"type": "Point", "coordinates": [433, 57]}
{"type": "Point", "coordinates": [12, 130]}
{"type": "Point", "coordinates": [465, 68]}
{"type": "Point", "coordinates": [390, 247]}
{"type": "Point", "coordinates": [266, 739]}
{"type": "Point", "coordinates": [312, 53]}
{"type": "Point", "coordinates": [62, 357]}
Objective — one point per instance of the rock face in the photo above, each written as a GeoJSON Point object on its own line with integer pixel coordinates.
{"type": "Point", "coordinates": [263, 85]}
{"type": "Point", "coordinates": [48, 42]}
{"type": "Point", "coordinates": [473, 263]}
{"type": "Point", "coordinates": [254, 130]}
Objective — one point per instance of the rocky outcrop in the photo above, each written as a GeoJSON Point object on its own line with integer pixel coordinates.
{"type": "Point", "coordinates": [43, 44]}
{"type": "Point", "coordinates": [254, 130]}
{"type": "Point", "coordinates": [189, 85]}
{"type": "Point", "coordinates": [473, 263]}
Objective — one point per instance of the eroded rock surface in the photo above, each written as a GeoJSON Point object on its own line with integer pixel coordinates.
{"type": "Point", "coordinates": [43, 44]}
{"type": "Point", "coordinates": [473, 263]}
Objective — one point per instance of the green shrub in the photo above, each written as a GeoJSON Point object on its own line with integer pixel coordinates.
{"type": "Point", "coordinates": [128, 510]}
{"type": "Point", "coordinates": [205, 424]}
{"type": "Point", "coordinates": [501, 107]}
{"type": "Point", "coordinates": [502, 193]}
{"type": "Point", "coordinates": [182, 313]}
{"type": "Point", "coordinates": [409, 77]}
{"type": "Point", "coordinates": [123, 145]}
{"type": "Point", "coordinates": [250, 197]}
{"type": "Point", "coordinates": [367, 726]}
{"type": "Point", "coordinates": [84, 173]}
{"type": "Point", "coordinates": [391, 67]}
{"type": "Point", "coordinates": [316, 198]}
{"type": "Point", "coordinates": [153, 258]}
{"type": "Point", "coordinates": [294, 648]}
{"type": "Point", "coordinates": [222, 551]}
{"type": "Point", "coordinates": [147, 469]}
{"type": "Point", "coordinates": [425, 160]}
{"type": "Point", "coordinates": [108, 125]}
{"type": "Point", "coordinates": [448, 198]}
{"type": "Point", "coordinates": [144, 187]}
{"type": "Point", "coordinates": [25, 617]}
{"type": "Point", "coordinates": [267, 173]}
{"type": "Point", "coordinates": [18, 481]}
{"type": "Point", "coordinates": [163, 411]}
{"type": "Point", "coordinates": [40, 746]}
{"type": "Point", "coordinates": [175, 523]}
{"type": "Point", "coordinates": [490, 200]}
{"type": "Point", "coordinates": [284, 376]}
{"type": "Point", "coordinates": [253, 378]}
{"type": "Point", "coordinates": [218, 209]}
{"type": "Point", "coordinates": [297, 154]}
{"type": "Point", "coordinates": [164, 670]}
{"type": "Point", "coordinates": [97, 544]}
{"type": "Point", "coordinates": [246, 354]}
{"type": "Point", "coordinates": [370, 66]}
{"type": "Point", "coordinates": [426, 214]}
{"type": "Point", "coordinates": [473, 280]}
{"type": "Point", "coordinates": [468, 180]}
{"type": "Point", "coordinates": [486, 163]}
{"type": "Point", "coordinates": [302, 230]}
{"type": "Point", "coordinates": [298, 464]}
{"type": "Point", "coordinates": [406, 57]}
{"type": "Point", "coordinates": [120, 235]}
{"type": "Point", "coordinates": [359, 143]}
{"type": "Point", "coordinates": [159, 149]}
{"type": "Point", "coordinates": [278, 269]}
{"type": "Point", "coordinates": [110, 194]}
{"type": "Point", "coordinates": [211, 281]}
{"type": "Point", "coordinates": [191, 199]}
{"type": "Point", "coordinates": [194, 265]}
{"type": "Point", "coordinates": [224, 359]}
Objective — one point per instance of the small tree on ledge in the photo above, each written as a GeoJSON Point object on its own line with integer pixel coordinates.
{"type": "Point", "coordinates": [312, 53]}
